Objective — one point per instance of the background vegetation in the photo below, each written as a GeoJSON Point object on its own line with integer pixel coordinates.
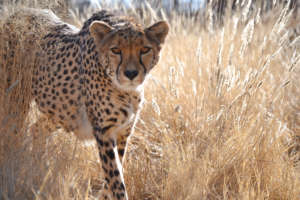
{"type": "Point", "coordinates": [221, 118]}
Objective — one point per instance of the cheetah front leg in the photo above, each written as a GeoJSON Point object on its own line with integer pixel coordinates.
{"type": "Point", "coordinates": [111, 165]}
{"type": "Point", "coordinates": [122, 140]}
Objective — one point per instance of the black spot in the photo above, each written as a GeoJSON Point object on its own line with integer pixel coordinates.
{"type": "Point", "coordinates": [116, 172]}
{"type": "Point", "coordinates": [106, 144]}
{"type": "Point", "coordinates": [114, 187]}
{"type": "Point", "coordinates": [50, 112]}
{"type": "Point", "coordinates": [111, 174]}
{"type": "Point", "coordinates": [57, 56]}
{"type": "Point", "coordinates": [121, 152]}
{"type": "Point", "coordinates": [124, 112]}
{"type": "Point", "coordinates": [112, 119]}
{"type": "Point", "coordinates": [91, 102]}
{"type": "Point", "coordinates": [65, 90]}
{"type": "Point", "coordinates": [122, 195]}
{"type": "Point", "coordinates": [74, 53]}
{"type": "Point", "coordinates": [113, 142]}
{"type": "Point", "coordinates": [104, 158]}
{"type": "Point", "coordinates": [107, 111]}
{"type": "Point", "coordinates": [74, 70]}
{"type": "Point", "coordinates": [48, 35]}
{"type": "Point", "coordinates": [107, 180]}
{"type": "Point", "coordinates": [72, 91]}
{"type": "Point", "coordinates": [99, 141]}
{"type": "Point", "coordinates": [71, 101]}
{"type": "Point", "coordinates": [122, 186]}
{"type": "Point", "coordinates": [106, 128]}
{"type": "Point", "coordinates": [97, 129]}
{"type": "Point", "coordinates": [110, 154]}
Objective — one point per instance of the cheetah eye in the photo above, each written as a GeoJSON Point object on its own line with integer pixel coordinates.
{"type": "Point", "coordinates": [145, 50]}
{"type": "Point", "coordinates": [116, 50]}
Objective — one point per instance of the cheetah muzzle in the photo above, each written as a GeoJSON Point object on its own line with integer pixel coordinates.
{"type": "Point", "coordinates": [90, 82]}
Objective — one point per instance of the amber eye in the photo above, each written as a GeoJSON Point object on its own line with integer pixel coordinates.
{"type": "Point", "coordinates": [145, 50]}
{"type": "Point", "coordinates": [116, 50]}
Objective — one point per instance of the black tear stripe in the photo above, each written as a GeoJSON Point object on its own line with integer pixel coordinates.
{"type": "Point", "coordinates": [141, 62]}
{"type": "Point", "coordinates": [118, 68]}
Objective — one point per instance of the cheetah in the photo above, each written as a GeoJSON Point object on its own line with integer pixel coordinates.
{"type": "Point", "coordinates": [90, 82]}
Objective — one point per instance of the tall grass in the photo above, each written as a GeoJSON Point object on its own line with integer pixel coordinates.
{"type": "Point", "coordinates": [220, 121]}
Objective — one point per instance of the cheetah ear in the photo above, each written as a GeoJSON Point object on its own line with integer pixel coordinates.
{"type": "Point", "coordinates": [158, 32]}
{"type": "Point", "coordinates": [99, 30]}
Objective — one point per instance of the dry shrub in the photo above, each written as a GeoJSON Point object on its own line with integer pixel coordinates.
{"type": "Point", "coordinates": [220, 121]}
{"type": "Point", "coordinates": [221, 115]}
{"type": "Point", "coordinates": [20, 33]}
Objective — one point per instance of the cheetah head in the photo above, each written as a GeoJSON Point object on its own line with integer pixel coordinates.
{"type": "Point", "coordinates": [128, 54]}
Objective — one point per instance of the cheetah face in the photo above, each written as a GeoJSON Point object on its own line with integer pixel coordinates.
{"type": "Point", "coordinates": [129, 53]}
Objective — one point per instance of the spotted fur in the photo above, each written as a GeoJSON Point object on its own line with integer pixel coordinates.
{"type": "Point", "coordinates": [90, 81]}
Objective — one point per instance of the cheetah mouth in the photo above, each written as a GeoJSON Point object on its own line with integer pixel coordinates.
{"type": "Point", "coordinates": [131, 84]}
{"type": "Point", "coordinates": [127, 85]}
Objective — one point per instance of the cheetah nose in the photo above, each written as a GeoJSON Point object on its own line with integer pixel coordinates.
{"type": "Point", "coordinates": [131, 74]}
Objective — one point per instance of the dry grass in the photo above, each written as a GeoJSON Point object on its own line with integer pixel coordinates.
{"type": "Point", "coordinates": [221, 121]}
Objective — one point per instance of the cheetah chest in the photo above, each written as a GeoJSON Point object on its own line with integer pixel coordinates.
{"type": "Point", "coordinates": [112, 113]}
{"type": "Point", "coordinates": [111, 122]}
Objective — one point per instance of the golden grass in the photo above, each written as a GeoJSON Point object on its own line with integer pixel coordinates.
{"type": "Point", "coordinates": [220, 121]}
